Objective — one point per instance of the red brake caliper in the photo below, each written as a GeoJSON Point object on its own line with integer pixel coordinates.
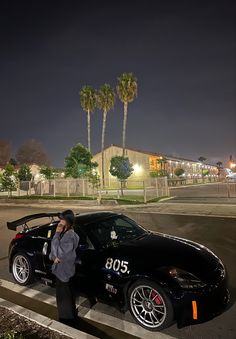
{"type": "Point", "coordinates": [156, 298]}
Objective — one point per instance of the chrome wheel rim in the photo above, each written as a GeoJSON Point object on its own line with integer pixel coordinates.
{"type": "Point", "coordinates": [148, 306]}
{"type": "Point", "coordinates": [20, 269]}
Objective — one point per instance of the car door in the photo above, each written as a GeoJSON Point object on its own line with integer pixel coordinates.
{"type": "Point", "coordinates": [94, 268]}
{"type": "Point", "coordinates": [44, 238]}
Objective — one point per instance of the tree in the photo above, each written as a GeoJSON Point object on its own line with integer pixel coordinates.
{"type": "Point", "coordinates": [24, 173]}
{"type": "Point", "coordinates": [79, 162]}
{"type": "Point", "coordinates": [179, 172]}
{"type": "Point", "coordinates": [121, 168]}
{"type": "Point", "coordinates": [5, 152]}
{"type": "Point", "coordinates": [162, 161]}
{"type": "Point", "coordinates": [205, 172]}
{"type": "Point", "coordinates": [202, 159]}
{"type": "Point", "coordinates": [219, 166]}
{"type": "Point", "coordinates": [94, 179]}
{"type": "Point", "coordinates": [127, 88]}
{"type": "Point", "coordinates": [47, 172]}
{"type": "Point", "coordinates": [88, 104]}
{"type": "Point", "coordinates": [8, 179]}
{"type": "Point", "coordinates": [32, 152]}
{"type": "Point", "coordinates": [13, 162]}
{"type": "Point", "coordinates": [105, 102]}
{"type": "Point", "coordinates": [159, 173]}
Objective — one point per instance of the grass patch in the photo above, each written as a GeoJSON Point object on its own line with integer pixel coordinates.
{"type": "Point", "coordinates": [125, 200]}
{"type": "Point", "coordinates": [157, 199]}
{"type": "Point", "coordinates": [48, 197]}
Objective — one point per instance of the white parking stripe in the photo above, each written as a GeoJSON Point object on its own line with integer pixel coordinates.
{"type": "Point", "coordinates": [91, 314]}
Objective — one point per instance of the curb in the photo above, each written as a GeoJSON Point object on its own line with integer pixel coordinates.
{"type": "Point", "coordinates": [45, 322]}
{"type": "Point", "coordinates": [124, 326]}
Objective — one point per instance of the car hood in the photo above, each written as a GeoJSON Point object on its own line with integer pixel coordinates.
{"type": "Point", "coordinates": [161, 250]}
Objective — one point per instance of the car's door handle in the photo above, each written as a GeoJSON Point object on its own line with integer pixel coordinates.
{"type": "Point", "coordinates": [45, 248]}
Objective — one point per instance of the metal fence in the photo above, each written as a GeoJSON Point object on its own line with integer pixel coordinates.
{"type": "Point", "coordinates": [130, 189]}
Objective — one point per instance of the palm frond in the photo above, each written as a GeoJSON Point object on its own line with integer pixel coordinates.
{"type": "Point", "coordinates": [88, 98]}
{"type": "Point", "coordinates": [105, 98]}
{"type": "Point", "coordinates": [127, 87]}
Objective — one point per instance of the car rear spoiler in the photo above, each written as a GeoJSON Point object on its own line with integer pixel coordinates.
{"type": "Point", "coordinates": [23, 221]}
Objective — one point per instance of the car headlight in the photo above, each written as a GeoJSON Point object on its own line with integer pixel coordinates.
{"type": "Point", "coordinates": [185, 279]}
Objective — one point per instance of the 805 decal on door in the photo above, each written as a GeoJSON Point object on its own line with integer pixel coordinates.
{"type": "Point", "coordinates": [117, 265]}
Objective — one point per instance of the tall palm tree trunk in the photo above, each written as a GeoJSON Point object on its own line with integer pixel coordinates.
{"type": "Point", "coordinates": [89, 143]}
{"type": "Point", "coordinates": [103, 141]}
{"type": "Point", "coordinates": [124, 127]}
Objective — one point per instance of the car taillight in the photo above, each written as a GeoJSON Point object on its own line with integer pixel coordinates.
{"type": "Point", "coordinates": [18, 236]}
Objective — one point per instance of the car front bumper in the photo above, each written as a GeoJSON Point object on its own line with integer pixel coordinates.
{"type": "Point", "coordinates": [194, 307]}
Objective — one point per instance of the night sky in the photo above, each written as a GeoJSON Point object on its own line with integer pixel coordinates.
{"type": "Point", "coordinates": [182, 52]}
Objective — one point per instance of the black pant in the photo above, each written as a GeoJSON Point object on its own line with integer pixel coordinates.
{"type": "Point", "coordinates": [65, 296]}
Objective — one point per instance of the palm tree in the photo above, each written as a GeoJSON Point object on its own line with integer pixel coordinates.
{"type": "Point", "coordinates": [105, 102]}
{"type": "Point", "coordinates": [162, 161]}
{"type": "Point", "coordinates": [202, 159]}
{"type": "Point", "coordinates": [219, 166]}
{"type": "Point", "coordinates": [88, 103]}
{"type": "Point", "coordinates": [127, 88]}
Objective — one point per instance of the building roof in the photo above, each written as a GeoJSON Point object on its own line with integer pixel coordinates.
{"type": "Point", "coordinates": [168, 157]}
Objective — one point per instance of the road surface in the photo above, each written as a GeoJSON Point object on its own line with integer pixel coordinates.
{"type": "Point", "coordinates": [218, 234]}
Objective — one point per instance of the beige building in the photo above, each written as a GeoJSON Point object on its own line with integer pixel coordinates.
{"type": "Point", "coordinates": [146, 162]}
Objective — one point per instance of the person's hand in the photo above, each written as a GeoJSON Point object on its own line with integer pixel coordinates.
{"type": "Point", "coordinates": [60, 226]}
{"type": "Point", "coordinates": [56, 260]}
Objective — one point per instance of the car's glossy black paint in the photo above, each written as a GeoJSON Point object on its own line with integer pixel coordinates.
{"type": "Point", "coordinates": [151, 257]}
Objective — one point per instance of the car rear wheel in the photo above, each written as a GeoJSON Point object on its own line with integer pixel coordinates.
{"type": "Point", "coordinates": [150, 305]}
{"type": "Point", "coordinates": [21, 269]}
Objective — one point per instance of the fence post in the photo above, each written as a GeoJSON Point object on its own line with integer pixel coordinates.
{"type": "Point", "coordinates": [41, 188]}
{"type": "Point", "coordinates": [83, 187]}
{"type": "Point", "coordinates": [228, 189]}
{"type": "Point", "coordinates": [30, 188]}
{"type": "Point", "coordinates": [67, 188]}
{"type": "Point", "coordinates": [157, 193]}
{"type": "Point", "coordinates": [144, 193]}
{"type": "Point", "coordinates": [54, 188]}
{"type": "Point", "coordinates": [166, 187]}
{"type": "Point", "coordinates": [18, 188]}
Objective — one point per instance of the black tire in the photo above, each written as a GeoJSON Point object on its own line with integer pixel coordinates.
{"type": "Point", "coordinates": [155, 303]}
{"type": "Point", "coordinates": [26, 275]}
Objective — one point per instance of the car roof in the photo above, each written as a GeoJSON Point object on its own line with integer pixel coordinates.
{"type": "Point", "coordinates": [90, 217]}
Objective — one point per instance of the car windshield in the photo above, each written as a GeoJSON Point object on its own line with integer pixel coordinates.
{"type": "Point", "coordinates": [114, 230]}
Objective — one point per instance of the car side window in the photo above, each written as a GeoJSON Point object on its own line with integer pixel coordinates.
{"type": "Point", "coordinates": [100, 233]}
{"type": "Point", "coordinates": [83, 238]}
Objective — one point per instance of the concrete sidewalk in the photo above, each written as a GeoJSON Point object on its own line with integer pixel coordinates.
{"type": "Point", "coordinates": [217, 208]}
{"type": "Point", "coordinates": [181, 208]}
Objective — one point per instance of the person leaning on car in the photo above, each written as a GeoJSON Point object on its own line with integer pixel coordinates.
{"type": "Point", "coordinates": [63, 255]}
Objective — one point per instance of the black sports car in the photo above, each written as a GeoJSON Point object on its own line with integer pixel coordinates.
{"type": "Point", "coordinates": [158, 277]}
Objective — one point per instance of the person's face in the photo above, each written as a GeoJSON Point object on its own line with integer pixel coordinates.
{"type": "Point", "coordinates": [63, 223]}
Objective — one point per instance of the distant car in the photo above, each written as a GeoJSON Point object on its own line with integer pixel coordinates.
{"type": "Point", "coordinates": [158, 277]}
{"type": "Point", "coordinates": [231, 177]}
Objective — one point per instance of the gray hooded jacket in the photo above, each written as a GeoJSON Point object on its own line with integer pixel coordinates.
{"type": "Point", "coordinates": [64, 248]}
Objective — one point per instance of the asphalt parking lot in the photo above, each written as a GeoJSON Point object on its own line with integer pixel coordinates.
{"type": "Point", "coordinates": [218, 234]}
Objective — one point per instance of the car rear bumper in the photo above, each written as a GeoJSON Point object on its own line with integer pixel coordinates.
{"type": "Point", "coordinates": [199, 306]}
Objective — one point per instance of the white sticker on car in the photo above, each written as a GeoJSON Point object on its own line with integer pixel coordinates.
{"type": "Point", "coordinates": [117, 265]}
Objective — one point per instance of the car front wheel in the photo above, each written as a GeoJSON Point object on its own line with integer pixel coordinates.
{"type": "Point", "coordinates": [22, 269]}
{"type": "Point", "coordinates": [150, 305]}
